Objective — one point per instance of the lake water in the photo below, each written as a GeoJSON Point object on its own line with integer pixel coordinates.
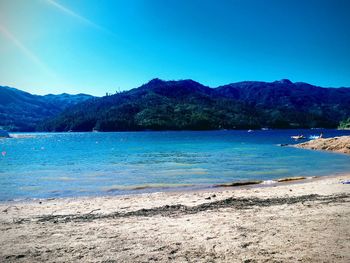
{"type": "Point", "coordinates": [45, 165]}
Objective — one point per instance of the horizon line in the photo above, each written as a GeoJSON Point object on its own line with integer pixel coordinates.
{"type": "Point", "coordinates": [168, 80]}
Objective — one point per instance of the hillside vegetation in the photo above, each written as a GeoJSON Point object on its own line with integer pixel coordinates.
{"type": "Point", "coordinates": [188, 105]}
{"type": "Point", "coordinates": [22, 111]}
{"type": "Point", "coordinates": [345, 124]}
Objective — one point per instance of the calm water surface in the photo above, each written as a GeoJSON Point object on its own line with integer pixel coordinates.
{"type": "Point", "coordinates": [42, 165]}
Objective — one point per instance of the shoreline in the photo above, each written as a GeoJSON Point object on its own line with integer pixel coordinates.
{"type": "Point", "coordinates": [255, 223]}
{"type": "Point", "coordinates": [165, 130]}
{"type": "Point", "coordinates": [244, 184]}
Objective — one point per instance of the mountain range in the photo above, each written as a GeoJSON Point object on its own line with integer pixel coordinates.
{"type": "Point", "coordinates": [182, 105]}
{"type": "Point", "coordinates": [22, 111]}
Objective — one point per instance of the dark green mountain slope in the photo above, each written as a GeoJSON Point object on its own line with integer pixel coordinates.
{"type": "Point", "coordinates": [22, 111]}
{"type": "Point", "coordinates": [186, 104]}
{"type": "Point", "coordinates": [286, 104]}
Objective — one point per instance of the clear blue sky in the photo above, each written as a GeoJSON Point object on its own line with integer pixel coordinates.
{"type": "Point", "coordinates": [96, 46]}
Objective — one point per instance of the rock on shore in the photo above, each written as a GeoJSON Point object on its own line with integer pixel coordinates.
{"type": "Point", "coordinates": [336, 144]}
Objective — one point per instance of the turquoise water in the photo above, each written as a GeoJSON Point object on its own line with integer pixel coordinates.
{"type": "Point", "coordinates": [45, 165]}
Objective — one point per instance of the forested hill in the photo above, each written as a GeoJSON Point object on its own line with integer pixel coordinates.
{"type": "Point", "coordinates": [22, 111]}
{"type": "Point", "coordinates": [189, 105]}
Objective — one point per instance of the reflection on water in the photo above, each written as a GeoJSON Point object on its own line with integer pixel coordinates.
{"type": "Point", "coordinates": [40, 165]}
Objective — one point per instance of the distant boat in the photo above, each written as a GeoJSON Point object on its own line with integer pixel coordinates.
{"type": "Point", "coordinates": [250, 130]}
{"type": "Point", "coordinates": [313, 137]}
{"type": "Point", "coordinates": [264, 129]}
{"type": "Point", "coordinates": [4, 134]}
{"type": "Point", "coordinates": [298, 137]}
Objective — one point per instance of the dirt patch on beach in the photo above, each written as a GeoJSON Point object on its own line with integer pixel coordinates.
{"type": "Point", "coordinates": [305, 222]}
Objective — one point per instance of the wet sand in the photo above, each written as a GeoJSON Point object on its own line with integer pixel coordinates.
{"type": "Point", "coordinates": [307, 221]}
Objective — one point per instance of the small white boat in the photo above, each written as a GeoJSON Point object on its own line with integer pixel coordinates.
{"type": "Point", "coordinates": [313, 137]}
{"type": "Point", "coordinates": [298, 137]}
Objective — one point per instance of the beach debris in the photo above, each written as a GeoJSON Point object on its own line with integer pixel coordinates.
{"type": "Point", "coordinates": [8, 208]}
{"type": "Point", "coordinates": [288, 179]}
{"type": "Point", "coordinates": [269, 182]}
{"type": "Point", "coordinates": [98, 209]}
{"type": "Point", "coordinates": [238, 183]}
{"type": "Point", "coordinates": [210, 197]}
{"type": "Point", "coordinates": [176, 210]}
{"type": "Point", "coordinates": [245, 245]}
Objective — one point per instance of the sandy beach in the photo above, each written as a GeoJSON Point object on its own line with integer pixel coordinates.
{"type": "Point", "coordinates": [303, 221]}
